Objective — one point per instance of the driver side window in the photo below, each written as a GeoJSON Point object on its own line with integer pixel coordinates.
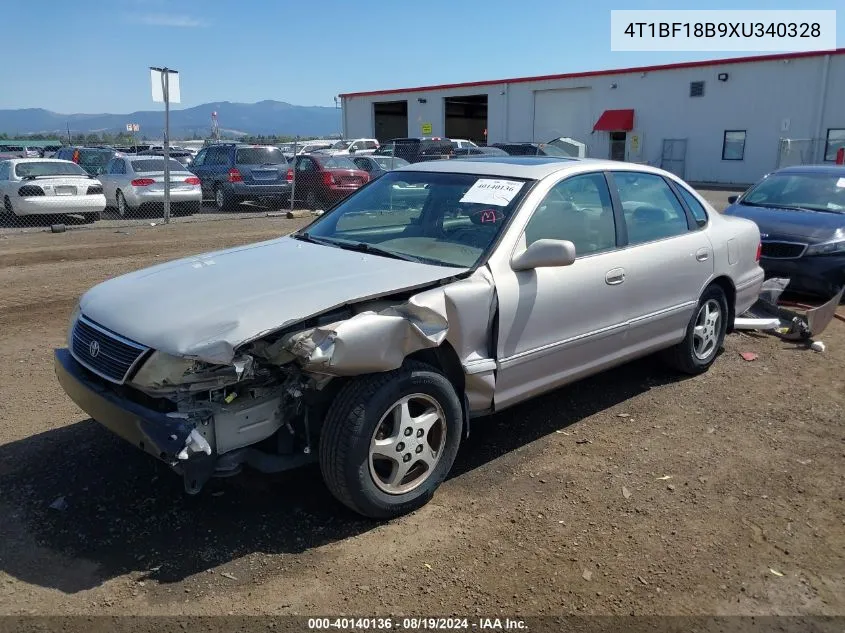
{"type": "Point", "coordinates": [577, 209]}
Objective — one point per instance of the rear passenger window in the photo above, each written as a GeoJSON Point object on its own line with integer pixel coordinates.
{"type": "Point", "coordinates": [577, 209]}
{"type": "Point", "coordinates": [694, 205]}
{"type": "Point", "coordinates": [652, 211]}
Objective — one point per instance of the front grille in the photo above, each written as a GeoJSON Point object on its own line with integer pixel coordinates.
{"type": "Point", "coordinates": [105, 353]}
{"type": "Point", "coordinates": [783, 250]}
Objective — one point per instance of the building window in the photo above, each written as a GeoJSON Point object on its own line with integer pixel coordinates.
{"type": "Point", "coordinates": [696, 89]}
{"type": "Point", "coordinates": [733, 145]}
{"type": "Point", "coordinates": [835, 140]}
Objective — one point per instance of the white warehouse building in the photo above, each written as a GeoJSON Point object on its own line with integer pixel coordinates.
{"type": "Point", "coordinates": [723, 121]}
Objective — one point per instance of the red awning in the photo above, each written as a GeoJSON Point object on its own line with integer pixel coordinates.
{"type": "Point", "coordinates": [615, 121]}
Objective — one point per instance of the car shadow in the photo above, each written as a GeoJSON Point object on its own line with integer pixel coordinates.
{"type": "Point", "coordinates": [81, 506]}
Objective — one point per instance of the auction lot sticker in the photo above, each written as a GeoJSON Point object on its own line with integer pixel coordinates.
{"type": "Point", "coordinates": [490, 191]}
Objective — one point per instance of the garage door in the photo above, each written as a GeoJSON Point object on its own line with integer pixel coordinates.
{"type": "Point", "coordinates": [563, 112]}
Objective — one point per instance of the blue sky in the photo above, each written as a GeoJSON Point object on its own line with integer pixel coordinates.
{"type": "Point", "coordinates": [92, 55]}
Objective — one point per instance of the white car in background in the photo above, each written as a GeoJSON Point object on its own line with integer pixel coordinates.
{"type": "Point", "coordinates": [353, 146]}
{"type": "Point", "coordinates": [48, 186]}
{"type": "Point", "coordinates": [462, 143]}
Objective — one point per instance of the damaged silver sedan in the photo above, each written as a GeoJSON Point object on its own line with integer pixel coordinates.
{"type": "Point", "coordinates": [436, 294]}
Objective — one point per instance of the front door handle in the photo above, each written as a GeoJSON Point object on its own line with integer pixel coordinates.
{"type": "Point", "coordinates": [615, 277]}
{"type": "Point", "coordinates": [702, 254]}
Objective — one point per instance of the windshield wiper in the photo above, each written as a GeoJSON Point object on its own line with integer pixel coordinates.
{"type": "Point", "coordinates": [789, 207]}
{"type": "Point", "coordinates": [361, 247]}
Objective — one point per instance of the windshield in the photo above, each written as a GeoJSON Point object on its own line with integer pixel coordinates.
{"type": "Point", "coordinates": [341, 145]}
{"type": "Point", "coordinates": [153, 164]}
{"type": "Point", "coordinates": [23, 170]}
{"type": "Point", "coordinates": [94, 158]}
{"type": "Point", "coordinates": [390, 162]}
{"type": "Point", "coordinates": [339, 162]}
{"type": "Point", "coordinates": [807, 190]}
{"type": "Point", "coordinates": [436, 218]}
{"type": "Point", "coordinates": [259, 156]}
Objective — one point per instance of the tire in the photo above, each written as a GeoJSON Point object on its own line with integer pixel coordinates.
{"type": "Point", "coordinates": [123, 208]}
{"type": "Point", "coordinates": [359, 418]}
{"type": "Point", "coordinates": [699, 349]}
{"type": "Point", "coordinates": [7, 206]}
{"type": "Point", "coordinates": [90, 218]}
{"type": "Point", "coordinates": [223, 200]}
{"type": "Point", "coordinates": [312, 202]}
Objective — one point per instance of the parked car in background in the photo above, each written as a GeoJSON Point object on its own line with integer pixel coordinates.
{"type": "Point", "coordinates": [49, 151]}
{"type": "Point", "coordinates": [21, 151]}
{"type": "Point", "coordinates": [415, 150]}
{"type": "Point", "coordinates": [531, 149]}
{"type": "Point", "coordinates": [232, 173]}
{"type": "Point", "coordinates": [801, 214]}
{"type": "Point", "coordinates": [134, 185]}
{"type": "Point", "coordinates": [91, 159]}
{"type": "Point", "coordinates": [462, 143]}
{"type": "Point", "coordinates": [377, 165]}
{"type": "Point", "coordinates": [322, 179]}
{"type": "Point", "coordinates": [479, 152]}
{"type": "Point", "coordinates": [355, 146]}
{"type": "Point", "coordinates": [183, 156]}
{"type": "Point", "coordinates": [46, 186]}
{"type": "Point", "coordinates": [395, 328]}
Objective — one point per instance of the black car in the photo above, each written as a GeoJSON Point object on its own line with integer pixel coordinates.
{"type": "Point", "coordinates": [91, 159]}
{"type": "Point", "coordinates": [801, 214]}
{"type": "Point", "coordinates": [531, 149]}
{"type": "Point", "coordinates": [415, 150]}
{"type": "Point", "coordinates": [231, 173]}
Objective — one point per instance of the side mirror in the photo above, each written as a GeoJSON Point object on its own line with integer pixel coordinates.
{"type": "Point", "coordinates": [545, 253]}
{"type": "Point", "coordinates": [732, 199]}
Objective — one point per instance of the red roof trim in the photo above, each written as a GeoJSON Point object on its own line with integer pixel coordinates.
{"type": "Point", "coordinates": [614, 121]}
{"type": "Point", "coordinates": [599, 73]}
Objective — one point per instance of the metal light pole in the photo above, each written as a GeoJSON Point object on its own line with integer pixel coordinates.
{"type": "Point", "coordinates": [165, 91]}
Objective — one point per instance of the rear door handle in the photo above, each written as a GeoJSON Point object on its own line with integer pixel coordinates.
{"type": "Point", "coordinates": [615, 277]}
{"type": "Point", "coordinates": [702, 254]}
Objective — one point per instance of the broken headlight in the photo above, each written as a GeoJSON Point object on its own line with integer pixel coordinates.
{"type": "Point", "coordinates": [165, 372]}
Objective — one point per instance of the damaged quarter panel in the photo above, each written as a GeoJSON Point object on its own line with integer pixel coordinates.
{"type": "Point", "coordinates": [204, 307]}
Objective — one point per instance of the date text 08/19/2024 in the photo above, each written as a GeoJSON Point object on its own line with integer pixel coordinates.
{"type": "Point", "coordinates": [416, 624]}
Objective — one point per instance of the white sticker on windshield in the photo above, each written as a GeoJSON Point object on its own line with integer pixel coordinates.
{"type": "Point", "coordinates": [840, 183]}
{"type": "Point", "coordinates": [489, 191]}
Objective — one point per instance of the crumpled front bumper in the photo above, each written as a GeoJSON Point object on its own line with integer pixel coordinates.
{"type": "Point", "coordinates": [152, 431]}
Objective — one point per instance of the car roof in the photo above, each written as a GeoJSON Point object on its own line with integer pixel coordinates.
{"type": "Point", "coordinates": [534, 167]}
{"type": "Point", "coordinates": [38, 160]}
{"type": "Point", "coordinates": [814, 169]}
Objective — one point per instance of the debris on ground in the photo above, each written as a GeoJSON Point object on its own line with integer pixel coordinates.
{"type": "Point", "coordinates": [775, 572]}
{"type": "Point", "coordinates": [226, 574]}
{"type": "Point", "coordinates": [583, 441]}
{"type": "Point", "coordinates": [749, 356]}
{"type": "Point", "coordinates": [587, 575]}
{"type": "Point", "coordinates": [623, 415]}
{"type": "Point", "coordinates": [59, 504]}
{"type": "Point", "coordinates": [664, 478]}
{"type": "Point", "coordinates": [817, 346]}
{"type": "Point", "coordinates": [626, 493]}
{"type": "Point", "coordinates": [427, 566]}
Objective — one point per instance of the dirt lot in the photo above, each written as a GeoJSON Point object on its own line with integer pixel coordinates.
{"type": "Point", "coordinates": [634, 492]}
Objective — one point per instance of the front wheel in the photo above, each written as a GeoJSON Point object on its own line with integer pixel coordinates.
{"type": "Point", "coordinates": [122, 207]}
{"type": "Point", "coordinates": [705, 334]}
{"type": "Point", "coordinates": [390, 439]}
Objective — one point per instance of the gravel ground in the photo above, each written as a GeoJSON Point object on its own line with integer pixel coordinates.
{"type": "Point", "coordinates": [633, 492]}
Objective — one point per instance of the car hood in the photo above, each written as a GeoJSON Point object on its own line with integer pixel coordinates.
{"type": "Point", "coordinates": [205, 306]}
{"type": "Point", "coordinates": [809, 226]}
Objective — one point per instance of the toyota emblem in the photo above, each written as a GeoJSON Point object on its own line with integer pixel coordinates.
{"type": "Point", "coordinates": [94, 349]}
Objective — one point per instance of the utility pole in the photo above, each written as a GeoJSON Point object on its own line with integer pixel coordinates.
{"type": "Point", "coordinates": [164, 77]}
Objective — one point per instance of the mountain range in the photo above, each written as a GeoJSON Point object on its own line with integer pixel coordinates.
{"type": "Point", "coordinates": [264, 117]}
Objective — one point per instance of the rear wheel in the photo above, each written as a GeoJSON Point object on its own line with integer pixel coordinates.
{"type": "Point", "coordinates": [7, 206]}
{"type": "Point", "coordinates": [390, 439]}
{"type": "Point", "coordinates": [122, 207]}
{"type": "Point", "coordinates": [312, 202]}
{"type": "Point", "coordinates": [222, 199]}
{"type": "Point", "coordinates": [92, 217]}
{"type": "Point", "coordinates": [705, 334]}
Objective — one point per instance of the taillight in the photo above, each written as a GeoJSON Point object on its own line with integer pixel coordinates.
{"type": "Point", "coordinates": [235, 175]}
{"type": "Point", "coordinates": [192, 180]}
{"type": "Point", "coordinates": [328, 178]}
{"type": "Point", "coordinates": [289, 176]}
{"type": "Point", "coordinates": [143, 182]}
{"type": "Point", "coordinates": [95, 190]}
{"type": "Point", "coordinates": [759, 251]}
{"type": "Point", "coordinates": [28, 191]}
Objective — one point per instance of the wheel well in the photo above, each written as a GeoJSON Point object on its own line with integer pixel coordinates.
{"type": "Point", "coordinates": [444, 358]}
{"type": "Point", "coordinates": [727, 287]}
